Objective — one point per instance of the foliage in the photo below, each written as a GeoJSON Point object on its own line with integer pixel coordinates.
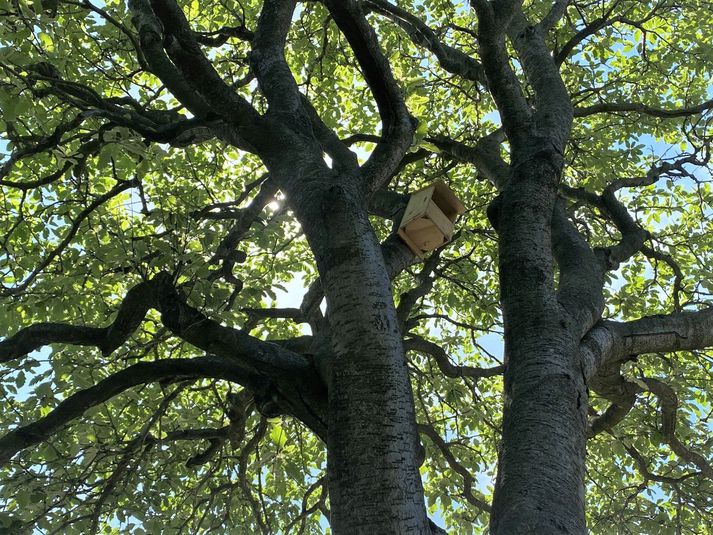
{"type": "Point", "coordinates": [97, 197]}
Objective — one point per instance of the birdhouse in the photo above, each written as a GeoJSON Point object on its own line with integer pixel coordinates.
{"type": "Point", "coordinates": [428, 221]}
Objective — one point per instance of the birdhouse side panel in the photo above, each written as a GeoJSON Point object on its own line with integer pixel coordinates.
{"type": "Point", "coordinates": [439, 219]}
{"type": "Point", "coordinates": [446, 200]}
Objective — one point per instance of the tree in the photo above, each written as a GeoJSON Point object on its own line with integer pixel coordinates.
{"type": "Point", "coordinates": [171, 166]}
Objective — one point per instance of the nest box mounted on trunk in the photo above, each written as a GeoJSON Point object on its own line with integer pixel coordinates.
{"type": "Point", "coordinates": [428, 221]}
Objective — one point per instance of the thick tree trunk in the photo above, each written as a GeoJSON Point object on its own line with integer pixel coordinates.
{"type": "Point", "coordinates": [374, 482]}
{"type": "Point", "coordinates": [539, 486]}
{"type": "Point", "coordinates": [541, 467]}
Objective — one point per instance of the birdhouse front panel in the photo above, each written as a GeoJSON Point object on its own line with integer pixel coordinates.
{"type": "Point", "coordinates": [421, 235]}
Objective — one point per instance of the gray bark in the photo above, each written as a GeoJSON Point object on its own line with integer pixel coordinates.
{"type": "Point", "coordinates": [539, 486]}
{"type": "Point", "coordinates": [372, 440]}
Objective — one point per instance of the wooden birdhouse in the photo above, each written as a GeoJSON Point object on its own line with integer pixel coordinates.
{"type": "Point", "coordinates": [428, 221]}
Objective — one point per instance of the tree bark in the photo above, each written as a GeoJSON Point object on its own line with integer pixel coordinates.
{"type": "Point", "coordinates": [372, 444]}
{"type": "Point", "coordinates": [539, 486]}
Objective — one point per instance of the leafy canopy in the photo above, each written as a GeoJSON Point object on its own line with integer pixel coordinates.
{"type": "Point", "coordinates": [97, 198]}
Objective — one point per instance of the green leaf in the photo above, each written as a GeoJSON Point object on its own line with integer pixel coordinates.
{"type": "Point", "coordinates": [278, 435]}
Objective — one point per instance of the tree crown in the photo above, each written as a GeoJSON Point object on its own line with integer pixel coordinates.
{"type": "Point", "coordinates": [136, 205]}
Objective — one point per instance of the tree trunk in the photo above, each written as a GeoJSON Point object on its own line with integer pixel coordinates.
{"type": "Point", "coordinates": [539, 486]}
{"type": "Point", "coordinates": [374, 481]}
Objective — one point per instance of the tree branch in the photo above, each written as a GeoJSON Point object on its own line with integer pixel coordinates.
{"type": "Point", "coordinates": [416, 343]}
{"type": "Point", "coordinates": [581, 276]}
{"type": "Point", "coordinates": [657, 334]}
{"type": "Point", "coordinates": [450, 59]}
{"type": "Point", "coordinates": [252, 354]}
{"type": "Point", "coordinates": [634, 107]}
{"type": "Point", "coordinates": [502, 82]}
{"type": "Point", "coordinates": [552, 118]}
{"type": "Point", "coordinates": [151, 37]}
{"type": "Point", "coordinates": [191, 77]}
{"type": "Point", "coordinates": [131, 313]}
{"type": "Point", "coordinates": [409, 298]}
{"type": "Point", "coordinates": [143, 372]}
{"type": "Point", "coordinates": [556, 12]}
{"type": "Point", "coordinates": [643, 466]}
{"type": "Point", "coordinates": [669, 408]}
{"type": "Point", "coordinates": [397, 127]}
{"type": "Point", "coordinates": [127, 456]}
{"type": "Point", "coordinates": [612, 341]}
{"type": "Point", "coordinates": [468, 479]}
{"type": "Point", "coordinates": [484, 155]}
{"type": "Point", "coordinates": [40, 145]}
{"type": "Point", "coordinates": [633, 236]}
{"type": "Point", "coordinates": [271, 70]}
{"type": "Point", "coordinates": [588, 30]}
{"type": "Point", "coordinates": [162, 126]}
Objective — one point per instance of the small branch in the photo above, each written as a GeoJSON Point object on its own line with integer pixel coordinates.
{"type": "Point", "coordinates": [468, 479]}
{"type": "Point", "coordinates": [250, 447]}
{"type": "Point", "coordinates": [555, 14]}
{"type": "Point", "coordinates": [642, 465]}
{"type": "Point", "coordinates": [221, 36]}
{"type": "Point", "coordinates": [305, 511]}
{"type": "Point", "coordinates": [84, 214]}
{"type": "Point", "coordinates": [246, 218]}
{"type": "Point", "coordinates": [111, 20]}
{"type": "Point", "coordinates": [226, 253]}
{"type": "Point", "coordinates": [655, 172]}
{"type": "Point", "coordinates": [409, 298]}
{"type": "Point", "coordinates": [40, 145]}
{"type": "Point", "coordinates": [588, 30]}
{"type": "Point", "coordinates": [669, 409]}
{"type": "Point", "coordinates": [677, 273]}
{"type": "Point", "coordinates": [127, 456]}
{"type": "Point", "coordinates": [484, 155]}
